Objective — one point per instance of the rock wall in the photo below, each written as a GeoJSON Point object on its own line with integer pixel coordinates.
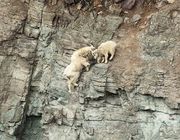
{"type": "Point", "coordinates": [134, 97]}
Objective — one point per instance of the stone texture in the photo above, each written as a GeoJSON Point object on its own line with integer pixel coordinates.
{"type": "Point", "coordinates": [135, 96]}
{"type": "Point", "coordinates": [13, 14]}
{"type": "Point", "coordinates": [128, 4]}
{"type": "Point", "coordinates": [136, 18]}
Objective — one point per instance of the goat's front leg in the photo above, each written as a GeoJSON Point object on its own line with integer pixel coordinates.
{"type": "Point", "coordinates": [103, 59]}
{"type": "Point", "coordinates": [99, 59]}
{"type": "Point", "coordinates": [112, 55]}
{"type": "Point", "coordinates": [106, 58]}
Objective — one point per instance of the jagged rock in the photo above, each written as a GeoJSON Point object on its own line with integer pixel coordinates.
{"type": "Point", "coordinates": [34, 129]}
{"type": "Point", "coordinates": [61, 132]}
{"type": "Point", "coordinates": [71, 1]}
{"type": "Point", "coordinates": [111, 85]}
{"type": "Point", "coordinates": [16, 59]}
{"type": "Point", "coordinates": [113, 100]}
{"type": "Point", "coordinates": [14, 22]}
{"type": "Point", "coordinates": [134, 96]}
{"type": "Point", "coordinates": [115, 9]}
{"type": "Point", "coordinates": [128, 4]}
{"type": "Point", "coordinates": [93, 114]}
{"type": "Point", "coordinates": [135, 18]}
{"type": "Point", "coordinates": [117, 1]}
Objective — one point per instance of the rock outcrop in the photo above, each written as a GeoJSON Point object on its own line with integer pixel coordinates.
{"type": "Point", "coordinates": [135, 96]}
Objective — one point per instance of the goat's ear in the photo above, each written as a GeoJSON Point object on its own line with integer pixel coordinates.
{"type": "Point", "coordinates": [92, 47]}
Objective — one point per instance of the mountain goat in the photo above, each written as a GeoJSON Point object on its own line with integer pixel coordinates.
{"type": "Point", "coordinates": [79, 60]}
{"type": "Point", "coordinates": [102, 52]}
{"type": "Point", "coordinates": [85, 52]}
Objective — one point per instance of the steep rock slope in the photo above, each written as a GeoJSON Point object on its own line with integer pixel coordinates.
{"type": "Point", "coordinates": [136, 96]}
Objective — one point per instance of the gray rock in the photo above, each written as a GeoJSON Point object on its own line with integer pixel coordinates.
{"type": "Point", "coordinates": [128, 4]}
{"type": "Point", "coordinates": [134, 96]}
{"type": "Point", "coordinates": [135, 18]}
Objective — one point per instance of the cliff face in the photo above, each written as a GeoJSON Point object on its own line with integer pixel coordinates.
{"type": "Point", "coordinates": [136, 96]}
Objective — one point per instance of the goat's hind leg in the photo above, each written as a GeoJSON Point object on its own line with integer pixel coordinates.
{"type": "Point", "coordinates": [70, 84]}
{"type": "Point", "coordinates": [75, 79]}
